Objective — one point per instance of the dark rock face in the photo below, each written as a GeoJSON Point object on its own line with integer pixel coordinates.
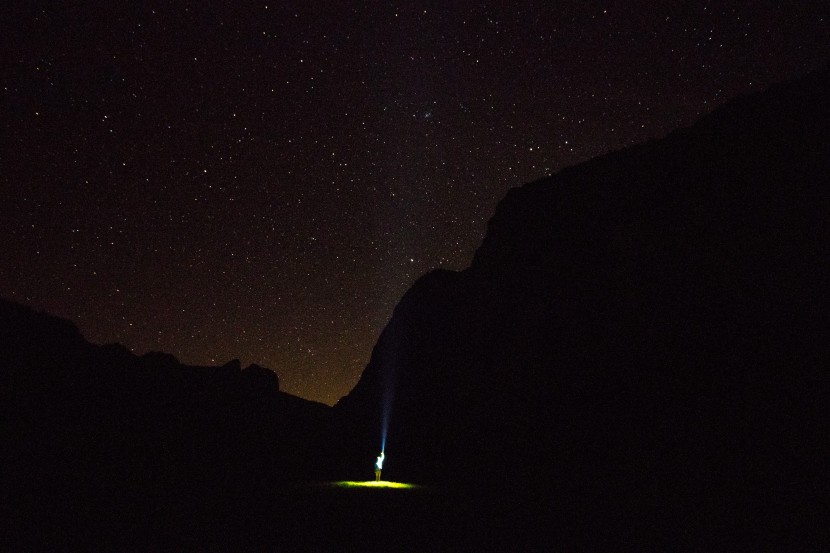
{"type": "Point", "coordinates": [641, 341]}
{"type": "Point", "coordinates": [259, 380]}
{"type": "Point", "coordinates": [97, 442]}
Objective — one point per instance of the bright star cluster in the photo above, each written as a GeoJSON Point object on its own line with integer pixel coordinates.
{"type": "Point", "coordinates": [264, 181]}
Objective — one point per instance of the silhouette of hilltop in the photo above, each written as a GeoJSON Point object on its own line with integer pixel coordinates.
{"type": "Point", "coordinates": [640, 345]}
{"type": "Point", "coordinates": [101, 443]}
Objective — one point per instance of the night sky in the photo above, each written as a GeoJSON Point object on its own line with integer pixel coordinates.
{"type": "Point", "coordinates": [265, 181]}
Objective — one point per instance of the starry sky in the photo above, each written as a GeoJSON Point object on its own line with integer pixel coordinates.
{"type": "Point", "coordinates": [264, 181]}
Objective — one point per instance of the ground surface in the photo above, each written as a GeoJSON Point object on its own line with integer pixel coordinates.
{"type": "Point", "coordinates": [385, 516]}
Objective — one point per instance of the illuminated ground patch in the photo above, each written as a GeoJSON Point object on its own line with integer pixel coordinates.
{"type": "Point", "coordinates": [373, 484]}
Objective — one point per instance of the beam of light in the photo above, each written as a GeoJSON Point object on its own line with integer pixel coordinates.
{"type": "Point", "coordinates": [388, 396]}
{"type": "Point", "coordinates": [373, 484]}
{"type": "Point", "coordinates": [384, 429]}
{"type": "Point", "coordinates": [389, 383]}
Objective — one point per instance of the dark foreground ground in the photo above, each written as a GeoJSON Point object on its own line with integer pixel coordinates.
{"type": "Point", "coordinates": [312, 517]}
{"type": "Point", "coordinates": [328, 517]}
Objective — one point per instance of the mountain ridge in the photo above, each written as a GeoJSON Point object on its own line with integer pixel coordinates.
{"type": "Point", "coordinates": [631, 332]}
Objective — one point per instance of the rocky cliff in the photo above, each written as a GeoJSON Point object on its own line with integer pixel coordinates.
{"type": "Point", "coordinates": [642, 339]}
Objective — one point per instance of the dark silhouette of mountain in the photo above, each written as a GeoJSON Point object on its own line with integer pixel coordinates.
{"type": "Point", "coordinates": [635, 359]}
{"type": "Point", "coordinates": [100, 444]}
{"type": "Point", "coordinates": [639, 350]}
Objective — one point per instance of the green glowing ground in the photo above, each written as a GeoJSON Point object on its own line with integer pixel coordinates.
{"type": "Point", "coordinates": [373, 484]}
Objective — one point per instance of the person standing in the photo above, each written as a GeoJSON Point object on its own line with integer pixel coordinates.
{"type": "Point", "coordinates": [378, 467]}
